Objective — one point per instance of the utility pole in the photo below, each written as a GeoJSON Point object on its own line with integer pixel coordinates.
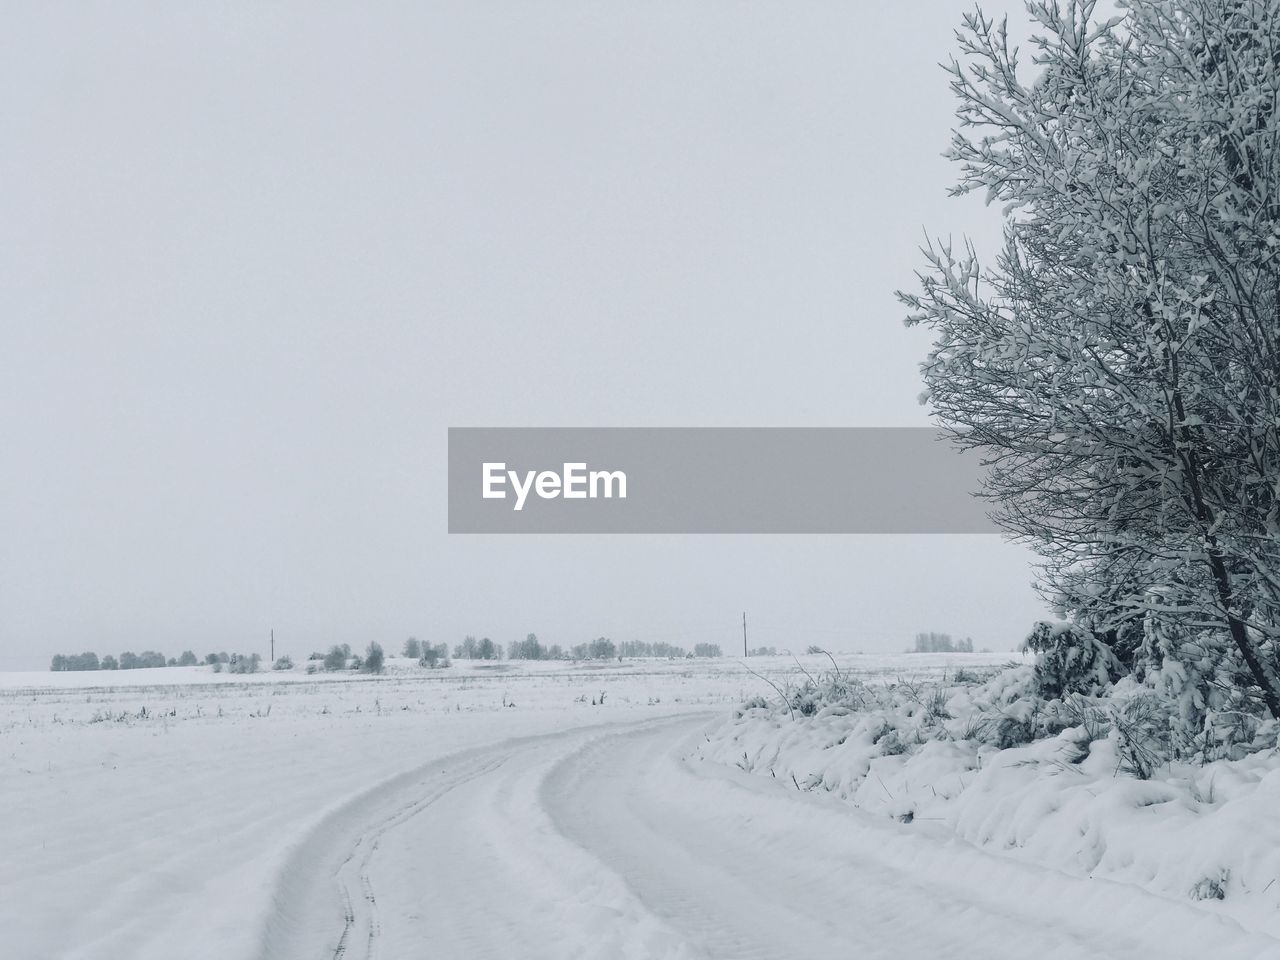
{"type": "Point", "coordinates": [744, 633]}
{"type": "Point", "coordinates": [273, 646]}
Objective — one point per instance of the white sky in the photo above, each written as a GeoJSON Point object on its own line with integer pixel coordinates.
{"type": "Point", "coordinates": [257, 260]}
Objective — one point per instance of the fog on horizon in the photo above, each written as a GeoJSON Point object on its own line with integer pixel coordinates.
{"type": "Point", "coordinates": [257, 261]}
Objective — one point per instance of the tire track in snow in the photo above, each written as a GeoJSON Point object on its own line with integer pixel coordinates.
{"type": "Point", "coordinates": [501, 881]}
{"type": "Point", "coordinates": [325, 904]}
{"type": "Point", "coordinates": [361, 923]}
{"type": "Point", "coordinates": [327, 875]}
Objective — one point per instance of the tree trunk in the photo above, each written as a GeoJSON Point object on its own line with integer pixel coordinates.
{"type": "Point", "coordinates": [1221, 576]}
{"type": "Point", "coordinates": [1261, 676]}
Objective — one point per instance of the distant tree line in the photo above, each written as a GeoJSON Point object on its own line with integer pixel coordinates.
{"type": "Point", "coordinates": [341, 657]}
{"type": "Point", "coordinates": [531, 648]}
{"type": "Point", "coordinates": [601, 648]}
{"type": "Point", "coordinates": [128, 661]}
{"type": "Point", "coordinates": [639, 648]}
{"type": "Point", "coordinates": [941, 643]}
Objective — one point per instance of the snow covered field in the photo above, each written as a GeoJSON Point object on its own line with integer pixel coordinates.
{"type": "Point", "coordinates": [497, 810]}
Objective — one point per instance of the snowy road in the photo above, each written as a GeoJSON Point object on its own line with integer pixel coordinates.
{"type": "Point", "coordinates": [610, 842]}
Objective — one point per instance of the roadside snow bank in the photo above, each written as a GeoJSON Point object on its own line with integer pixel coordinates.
{"type": "Point", "coordinates": [923, 755]}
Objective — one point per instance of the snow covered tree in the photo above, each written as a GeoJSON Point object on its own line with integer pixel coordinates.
{"type": "Point", "coordinates": [932, 642]}
{"type": "Point", "coordinates": [374, 658]}
{"type": "Point", "coordinates": [434, 655]}
{"type": "Point", "coordinates": [336, 658]}
{"type": "Point", "coordinates": [1119, 364]}
{"type": "Point", "coordinates": [601, 648]}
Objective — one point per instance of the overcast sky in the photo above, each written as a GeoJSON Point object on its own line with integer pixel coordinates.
{"type": "Point", "coordinates": [257, 259]}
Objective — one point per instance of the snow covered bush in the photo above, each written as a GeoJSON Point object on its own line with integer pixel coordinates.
{"type": "Point", "coordinates": [434, 655]}
{"type": "Point", "coordinates": [239, 663]}
{"type": "Point", "coordinates": [1070, 660]}
{"type": "Point", "coordinates": [1071, 782]}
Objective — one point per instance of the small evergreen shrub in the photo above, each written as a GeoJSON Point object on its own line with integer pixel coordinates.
{"type": "Point", "coordinates": [1070, 660]}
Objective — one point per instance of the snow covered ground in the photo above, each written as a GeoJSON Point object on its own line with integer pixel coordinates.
{"type": "Point", "coordinates": [1201, 837]}
{"type": "Point", "coordinates": [492, 810]}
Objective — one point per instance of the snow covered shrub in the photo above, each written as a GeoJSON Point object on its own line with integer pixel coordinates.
{"type": "Point", "coordinates": [1141, 727]}
{"type": "Point", "coordinates": [1089, 715]}
{"type": "Point", "coordinates": [239, 663]}
{"type": "Point", "coordinates": [935, 706]}
{"type": "Point", "coordinates": [890, 741]}
{"type": "Point", "coordinates": [842, 689]}
{"type": "Point", "coordinates": [1005, 710]}
{"type": "Point", "coordinates": [1070, 660]}
{"type": "Point", "coordinates": [828, 689]}
{"type": "Point", "coordinates": [1012, 732]}
{"type": "Point", "coordinates": [283, 663]}
{"type": "Point", "coordinates": [1202, 677]}
{"type": "Point", "coordinates": [1233, 734]}
{"type": "Point", "coordinates": [1212, 887]}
